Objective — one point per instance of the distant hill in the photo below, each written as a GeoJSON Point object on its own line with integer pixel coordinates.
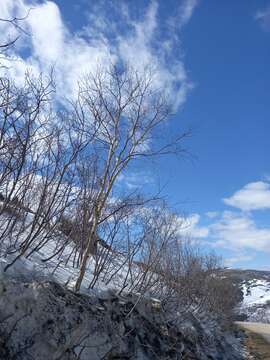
{"type": "Point", "coordinates": [254, 286]}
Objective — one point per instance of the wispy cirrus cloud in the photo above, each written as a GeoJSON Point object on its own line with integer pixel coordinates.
{"type": "Point", "coordinates": [138, 40]}
{"type": "Point", "coordinates": [183, 14]}
{"type": "Point", "coordinates": [112, 33]}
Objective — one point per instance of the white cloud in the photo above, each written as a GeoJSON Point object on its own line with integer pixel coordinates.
{"type": "Point", "coordinates": [253, 196]}
{"type": "Point", "coordinates": [48, 32]}
{"type": "Point", "coordinates": [189, 227]}
{"type": "Point", "coordinates": [141, 44]}
{"type": "Point", "coordinates": [102, 41]}
{"type": "Point", "coordinates": [136, 47]}
{"type": "Point", "coordinates": [239, 231]}
{"type": "Point", "coordinates": [51, 44]}
{"type": "Point", "coordinates": [8, 10]}
{"type": "Point", "coordinates": [232, 231]}
{"type": "Point", "coordinates": [212, 214]}
{"type": "Point", "coordinates": [237, 259]}
{"type": "Point", "coordinates": [183, 13]}
{"type": "Point", "coordinates": [236, 231]}
{"type": "Point", "coordinates": [136, 180]}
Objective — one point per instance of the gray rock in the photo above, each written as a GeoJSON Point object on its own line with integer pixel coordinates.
{"type": "Point", "coordinates": [42, 320]}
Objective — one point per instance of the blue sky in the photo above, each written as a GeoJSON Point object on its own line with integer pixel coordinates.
{"type": "Point", "coordinates": [213, 57]}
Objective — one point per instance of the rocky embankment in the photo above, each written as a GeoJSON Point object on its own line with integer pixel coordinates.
{"type": "Point", "coordinates": [41, 320]}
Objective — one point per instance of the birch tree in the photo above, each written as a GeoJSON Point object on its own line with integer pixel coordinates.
{"type": "Point", "coordinates": [123, 112]}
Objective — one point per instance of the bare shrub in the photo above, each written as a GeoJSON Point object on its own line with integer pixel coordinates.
{"type": "Point", "coordinates": [36, 175]}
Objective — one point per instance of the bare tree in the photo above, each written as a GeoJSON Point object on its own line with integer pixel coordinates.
{"type": "Point", "coordinates": [20, 137]}
{"type": "Point", "coordinates": [125, 112]}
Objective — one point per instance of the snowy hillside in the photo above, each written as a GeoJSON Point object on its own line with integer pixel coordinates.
{"type": "Point", "coordinates": [255, 288]}
{"type": "Point", "coordinates": [256, 292]}
{"type": "Point", "coordinates": [256, 302]}
{"type": "Point", "coordinates": [44, 264]}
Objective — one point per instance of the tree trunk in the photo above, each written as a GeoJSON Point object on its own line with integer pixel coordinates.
{"type": "Point", "coordinates": [89, 248]}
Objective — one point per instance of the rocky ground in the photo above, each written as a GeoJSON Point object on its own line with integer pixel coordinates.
{"type": "Point", "coordinates": [41, 320]}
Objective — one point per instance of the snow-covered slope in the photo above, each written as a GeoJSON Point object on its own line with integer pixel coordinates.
{"type": "Point", "coordinates": [255, 288]}
{"type": "Point", "coordinates": [55, 258]}
{"type": "Point", "coordinates": [256, 292]}
{"type": "Point", "coordinates": [61, 268]}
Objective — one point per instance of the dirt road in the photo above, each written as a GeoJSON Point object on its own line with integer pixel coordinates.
{"type": "Point", "coordinates": [258, 328]}
{"type": "Point", "coordinates": [258, 340]}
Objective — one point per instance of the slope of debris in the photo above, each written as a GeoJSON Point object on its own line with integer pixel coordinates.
{"type": "Point", "coordinates": [43, 320]}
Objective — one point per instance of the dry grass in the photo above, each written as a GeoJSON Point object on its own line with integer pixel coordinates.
{"type": "Point", "coordinates": [258, 347]}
